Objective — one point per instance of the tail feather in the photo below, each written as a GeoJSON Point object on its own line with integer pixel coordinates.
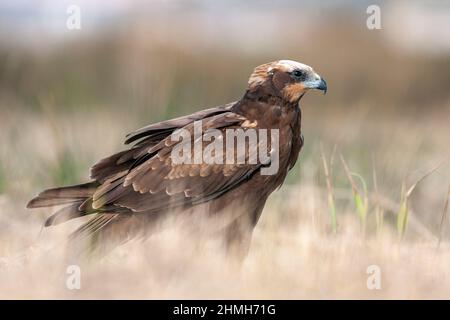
{"type": "Point", "coordinates": [109, 226]}
{"type": "Point", "coordinates": [88, 240]}
{"type": "Point", "coordinates": [77, 200]}
{"type": "Point", "coordinates": [107, 230]}
{"type": "Point", "coordinates": [92, 226]}
{"type": "Point", "coordinates": [66, 213]}
{"type": "Point", "coordinates": [63, 195]}
{"type": "Point", "coordinates": [40, 202]}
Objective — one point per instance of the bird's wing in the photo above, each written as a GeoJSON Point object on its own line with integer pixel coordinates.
{"type": "Point", "coordinates": [173, 124]}
{"type": "Point", "coordinates": [146, 138]}
{"type": "Point", "coordinates": [154, 182]}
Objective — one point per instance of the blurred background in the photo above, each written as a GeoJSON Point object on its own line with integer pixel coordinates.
{"type": "Point", "coordinates": [69, 96]}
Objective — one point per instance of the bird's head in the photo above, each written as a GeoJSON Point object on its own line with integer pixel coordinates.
{"type": "Point", "coordinates": [287, 79]}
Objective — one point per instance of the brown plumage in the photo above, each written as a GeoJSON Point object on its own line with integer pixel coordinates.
{"type": "Point", "coordinates": [131, 190]}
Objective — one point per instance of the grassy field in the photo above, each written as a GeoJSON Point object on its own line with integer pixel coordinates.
{"type": "Point", "coordinates": [67, 99]}
{"type": "Point", "coordinates": [295, 252]}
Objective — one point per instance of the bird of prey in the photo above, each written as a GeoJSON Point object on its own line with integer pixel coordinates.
{"type": "Point", "coordinates": [132, 190]}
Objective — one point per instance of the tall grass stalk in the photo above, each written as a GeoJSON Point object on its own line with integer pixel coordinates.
{"type": "Point", "coordinates": [379, 212]}
{"type": "Point", "coordinates": [331, 203]}
{"type": "Point", "coordinates": [361, 200]}
{"type": "Point", "coordinates": [443, 217]}
{"type": "Point", "coordinates": [402, 215]}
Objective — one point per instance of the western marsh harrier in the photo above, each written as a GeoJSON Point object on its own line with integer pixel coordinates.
{"type": "Point", "coordinates": [131, 190]}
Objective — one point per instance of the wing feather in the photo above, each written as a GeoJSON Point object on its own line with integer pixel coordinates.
{"type": "Point", "coordinates": [155, 184]}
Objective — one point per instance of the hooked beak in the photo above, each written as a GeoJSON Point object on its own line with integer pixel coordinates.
{"type": "Point", "coordinates": [318, 83]}
{"type": "Point", "coordinates": [322, 86]}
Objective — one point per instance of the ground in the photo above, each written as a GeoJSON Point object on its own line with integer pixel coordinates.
{"type": "Point", "coordinates": [294, 254]}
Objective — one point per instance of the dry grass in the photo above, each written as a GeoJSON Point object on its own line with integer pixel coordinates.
{"type": "Point", "coordinates": [294, 253]}
{"type": "Point", "coordinates": [67, 102]}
